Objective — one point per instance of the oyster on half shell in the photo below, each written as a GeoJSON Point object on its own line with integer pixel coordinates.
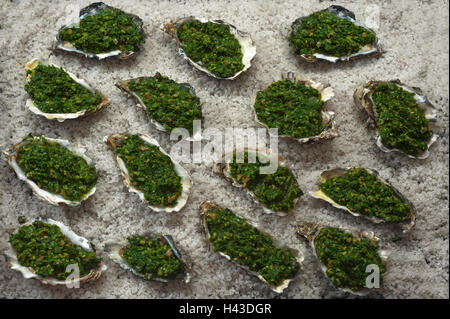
{"type": "Point", "coordinates": [207, 206]}
{"type": "Point", "coordinates": [28, 272]}
{"type": "Point", "coordinates": [248, 47]}
{"type": "Point", "coordinates": [310, 231]}
{"type": "Point", "coordinates": [46, 196]}
{"type": "Point", "coordinates": [61, 117]}
{"type": "Point", "coordinates": [363, 99]}
{"type": "Point", "coordinates": [406, 225]}
{"type": "Point", "coordinates": [115, 252]}
{"type": "Point", "coordinates": [115, 139]}
{"type": "Point", "coordinates": [326, 92]}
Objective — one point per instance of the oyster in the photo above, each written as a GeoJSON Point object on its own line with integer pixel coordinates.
{"type": "Point", "coordinates": [406, 224]}
{"type": "Point", "coordinates": [328, 117]}
{"type": "Point", "coordinates": [207, 206]}
{"type": "Point", "coordinates": [248, 47]}
{"type": "Point", "coordinates": [310, 231]}
{"type": "Point", "coordinates": [91, 10]}
{"type": "Point", "coordinates": [124, 86]}
{"type": "Point", "coordinates": [224, 169]}
{"type": "Point", "coordinates": [61, 117]}
{"type": "Point", "coordinates": [28, 272]}
{"type": "Point", "coordinates": [363, 99]}
{"type": "Point", "coordinates": [114, 140]}
{"type": "Point", "coordinates": [373, 48]}
{"type": "Point", "coordinates": [115, 252]}
{"type": "Point", "coordinates": [46, 196]}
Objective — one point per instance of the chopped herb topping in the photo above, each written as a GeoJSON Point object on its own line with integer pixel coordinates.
{"type": "Point", "coordinates": [213, 46]}
{"type": "Point", "coordinates": [150, 171]}
{"type": "Point", "coordinates": [293, 108]}
{"type": "Point", "coordinates": [323, 32]}
{"type": "Point", "coordinates": [346, 257]}
{"type": "Point", "coordinates": [152, 257]}
{"type": "Point", "coordinates": [56, 169]}
{"type": "Point", "coordinates": [400, 119]}
{"type": "Point", "coordinates": [365, 194]}
{"type": "Point", "coordinates": [167, 102]}
{"type": "Point", "coordinates": [54, 91]}
{"type": "Point", "coordinates": [110, 29]}
{"type": "Point", "coordinates": [48, 251]}
{"type": "Point", "coordinates": [278, 191]}
{"type": "Point", "coordinates": [248, 246]}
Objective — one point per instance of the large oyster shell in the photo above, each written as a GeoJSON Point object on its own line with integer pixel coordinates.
{"type": "Point", "coordinates": [91, 10]}
{"type": "Point", "coordinates": [310, 231]}
{"type": "Point", "coordinates": [328, 117]}
{"type": "Point", "coordinates": [206, 206]}
{"type": "Point", "coordinates": [363, 99]}
{"type": "Point", "coordinates": [405, 225]}
{"type": "Point", "coordinates": [340, 12]}
{"type": "Point", "coordinates": [114, 251]}
{"type": "Point", "coordinates": [113, 139]}
{"type": "Point", "coordinates": [28, 272]}
{"type": "Point", "coordinates": [61, 117]}
{"type": "Point", "coordinates": [223, 169]}
{"type": "Point", "coordinates": [248, 47]}
{"type": "Point", "coordinates": [46, 196]}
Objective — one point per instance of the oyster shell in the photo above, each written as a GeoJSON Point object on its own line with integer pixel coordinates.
{"type": "Point", "coordinates": [46, 196]}
{"type": "Point", "coordinates": [206, 206]}
{"type": "Point", "coordinates": [123, 85]}
{"type": "Point", "coordinates": [113, 139]}
{"type": "Point", "coordinates": [328, 117]}
{"type": "Point", "coordinates": [340, 12]}
{"type": "Point", "coordinates": [223, 168]}
{"type": "Point", "coordinates": [310, 231]}
{"type": "Point", "coordinates": [405, 225]}
{"type": "Point", "coordinates": [61, 117]}
{"type": "Point", "coordinates": [114, 251]}
{"type": "Point", "coordinates": [363, 99]}
{"type": "Point", "coordinates": [91, 10]}
{"type": "Point", "coordinates": [248, 47]}
{"type": "Point", "coordinates": [28, 272]}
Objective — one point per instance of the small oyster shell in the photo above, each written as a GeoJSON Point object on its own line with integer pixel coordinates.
{"type": "Point", "coordinates": [340, 12]}
{"type": "Point", "coordinates": [61, 117]}
{"type": "Point", "coordinates": [327, 93]}
{"type": "Point", "coordinates": [28, 272]}
{"type": "Point", "coordinates": [310, 232]}
{"type": "Point", "coordinates": [112, 140]}
{"type": "Point", "coordinates": [248, 47]}
{"type": "Point", "coordinates": [363, 99]}
{"type": "Point", "coordinates": [223, 168]}
{"type": "Point", "coordinates": [123, 85]}
{"type": "Point", "coordinates": [91, 10]}
{"type": "Point", "coordinates": [114, 251]}
{"type": "Point", "coordinates": [46, 196]}
{"type": "Point", "coordinates": [206, 206]}
{"type": "Point", "coordinates": [405, 225]}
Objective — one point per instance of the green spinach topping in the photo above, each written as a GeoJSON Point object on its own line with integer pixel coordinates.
{"type": "Point", "coordinates": [169, 103]}
{"type": "Point", "coordinates": [213, 46]}
{"type": "Point", "coordinates": [54, 91]}
{"type": "Point", "coordinates": [151, 257]}
{"type": "Point", "coordinates": [248, 246]}
{"type": "Point", "coordinates": [293, 108]}
{"type": "Point", "coordinates": [278, 191]}
{"type": "Point", "coordinates": [150, 171]}
{"type": "Point", "coordinates": [346, 257]}
{"type": "Point", "coordinates": [110, 29]}
{"type": "Point", "coordinates": [365, 194]}
{"type": "Point", "coordinates": [323, 32]}
{"type": "Point", "coordinates": [55, 168]}
{"type": "Point", "coordinates": [48, 251]}
{"type": "Point", "coordinates": [400, 119]}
